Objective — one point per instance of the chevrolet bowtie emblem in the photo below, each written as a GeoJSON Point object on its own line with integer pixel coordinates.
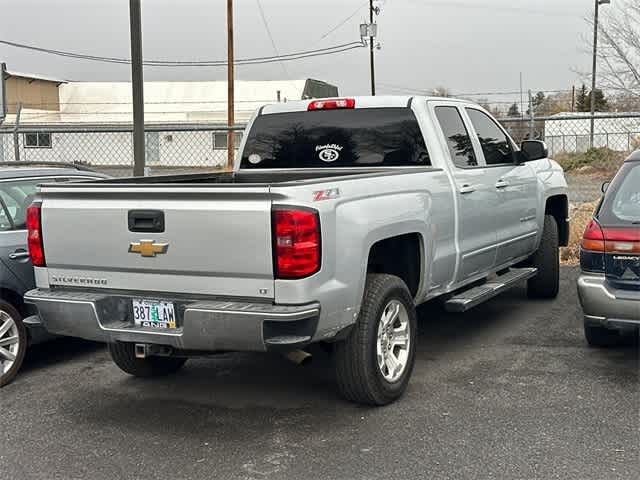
{"type": "Point", "coordinates": [148, 248]}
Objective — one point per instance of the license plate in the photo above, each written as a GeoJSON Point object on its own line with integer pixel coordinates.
{"type": "Point", "coordinates": [148, 313]}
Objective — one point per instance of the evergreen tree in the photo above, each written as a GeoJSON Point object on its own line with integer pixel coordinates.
{"type": "Point", "coordinates": [583, 100]}
{"type": "Point", "coordinates": [514, 111]}
{"type": "Point", "coordinates": [539, 103]}
{"type": "Point", "coordinates": [601, 102]}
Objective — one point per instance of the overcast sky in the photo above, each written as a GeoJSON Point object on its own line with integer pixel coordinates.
{"type": "Point", "coordinates": [465, 45]}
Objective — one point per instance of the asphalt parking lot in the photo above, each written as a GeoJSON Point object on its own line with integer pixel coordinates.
{"type": "Point", "coordinates": [508, 391]}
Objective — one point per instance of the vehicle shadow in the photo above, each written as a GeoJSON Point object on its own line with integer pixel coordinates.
{"type": "Point", "coordinates": [250, 388]}
{"type": "Point", "coordinates": [243, 382]}
{"type": "Point", "coordinates": [56, 351]}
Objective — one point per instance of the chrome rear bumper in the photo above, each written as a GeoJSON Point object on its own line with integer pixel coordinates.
{"type": "Point", "coordinates": [210, 326]}
{"type": "Point", "coordinates": [604, 305]}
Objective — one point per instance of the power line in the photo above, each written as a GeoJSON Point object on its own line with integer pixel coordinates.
{"type": "Point", "coordinates": [273, 43]}
{"type": "Point", "coordinates": [419, 91]}
{"type": "Point", "coordinates": [339, 25]}
{"type": "Point", "coordinates": [167, 102]}
{"type": "Point", "coordinates": [192, 63]}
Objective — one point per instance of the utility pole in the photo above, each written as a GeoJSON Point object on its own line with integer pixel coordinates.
{"type": "Point", "coordinates": [16, 136]}
{"type": "Point", "coordinates": [137, 87]}
{"type": "Point", "coordinates": [531, 117]}
{"type": "Point", "coordinates": [230, 88]}
{"type": "Point", "coordinates": [521, 98]}
{"type": "Point", "coordinates": [595, 66]}
{"type": "Point", "coordinates": [372, 65]}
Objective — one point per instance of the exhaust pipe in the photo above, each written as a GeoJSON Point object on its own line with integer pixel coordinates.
{"type": "Point", "coordinates": [299, 357]}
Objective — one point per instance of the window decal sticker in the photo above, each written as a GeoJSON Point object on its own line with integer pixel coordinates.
{"type": "Point", "coordinates": [329, 153]}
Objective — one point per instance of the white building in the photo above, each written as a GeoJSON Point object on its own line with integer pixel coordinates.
{"type": "Point", "coordinates": [91, 121]}
{"type": "Point", "coordinates": [567, 132]}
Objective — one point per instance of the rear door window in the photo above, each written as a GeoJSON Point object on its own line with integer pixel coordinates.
{"type": "Point", "coordinates": [458, 140]}
{"type": "Point", "coordinates": [496, 146]}
{"type": "Point", "coordinates": [336, 138]}
{"type": "Point", "coordinates": [16, 197]}
{"type": "Point", "coordinates": [621, 205]}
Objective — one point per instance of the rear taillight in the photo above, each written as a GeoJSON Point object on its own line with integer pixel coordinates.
{"type": "Point", "coordinates": [34, 235]}
{"type": "Point", "coordinates": [622, 240]}
{"type": "Point", "coordinates": [598, 241]}
{"type": "Point", "coordinates": [592, 248]}
{"type": "Point", "coordinates": [332, 104]}
{"type": "Point", "coordinates": [593, 237]}
{"type": "Point", "coordinates": [296, 242]}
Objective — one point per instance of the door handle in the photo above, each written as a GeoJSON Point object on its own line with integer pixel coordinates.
{"type": "Point", "coordinates": [502, 184]}
{"type": "Point", "coordinates": [146, 221]}
{"type": "Point", "coordinates": [18, 255]}
{"type": "Point", "coordinates": [466, 188]}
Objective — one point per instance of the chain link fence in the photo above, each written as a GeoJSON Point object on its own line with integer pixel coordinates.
{"type": "Point", "coordinates": [169, 148]}
{"type": "Point", "coordinates": [587, 162]}
{"type": "Point", "coordinates": [177, 148]}
{"type": "Point", "coordinates": [565, 133]}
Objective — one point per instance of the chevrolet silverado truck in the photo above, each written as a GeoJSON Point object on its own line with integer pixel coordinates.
{"type": "Point", "coordinates": [340, 217]}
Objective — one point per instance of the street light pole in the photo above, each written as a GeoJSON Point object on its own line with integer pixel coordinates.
{"type": "Point", "coordinates": [594, 70]}
{"type": "Point", "coordinates": [372, 65]}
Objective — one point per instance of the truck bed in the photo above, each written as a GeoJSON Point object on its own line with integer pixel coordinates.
{"type": "Point", "coordinates": [260, 178]}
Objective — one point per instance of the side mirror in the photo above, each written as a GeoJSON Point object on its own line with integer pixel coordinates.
{"type": "Point", "coordinates": [534, 150]}
{"type": "Point", "coordinates": [605, 187]}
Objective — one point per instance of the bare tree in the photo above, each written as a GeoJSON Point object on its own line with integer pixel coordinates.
{"type": "Point", "coordinates": [619, 50]}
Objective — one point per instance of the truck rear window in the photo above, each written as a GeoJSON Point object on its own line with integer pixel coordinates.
{"type": "Point", "coordinates": [336, 138]}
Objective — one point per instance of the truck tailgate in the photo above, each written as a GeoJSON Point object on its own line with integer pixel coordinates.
{"type": "Point", "coordinates": [213, 241]}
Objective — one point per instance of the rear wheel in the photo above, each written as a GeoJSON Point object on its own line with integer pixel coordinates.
{"type": "Point", "coordinates": [374, 364]}
{"type": "Point", "coordinates": [13, 342]}
{"type": "Point", "coordinates": [598, 336]}
{"type": "Point", "coordinates": [547, 260]}
{"type": "Point", "coordinates": [124, 356]}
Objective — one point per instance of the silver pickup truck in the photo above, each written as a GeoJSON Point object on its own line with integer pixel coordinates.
{"type": "Point", "coordinates": [341, 217]}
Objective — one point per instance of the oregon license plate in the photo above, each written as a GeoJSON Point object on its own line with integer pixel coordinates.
{"type": "Point", "coordinates": [149, 313]}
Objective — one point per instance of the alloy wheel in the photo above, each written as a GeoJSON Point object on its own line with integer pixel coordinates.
{"type": "Point", "coordinates": [9, 342]}
{"type": "Point", "coordinates": [393, 341]}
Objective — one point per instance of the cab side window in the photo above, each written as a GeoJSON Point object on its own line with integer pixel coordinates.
{"type": "Point", "coordinates": [458, 140]}
{"type": "Point", "coordinates": [496, 146]}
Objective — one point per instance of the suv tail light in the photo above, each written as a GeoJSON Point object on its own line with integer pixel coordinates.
{"type": "Point", "coordinates": [592, 248]}
{"type": "Point", "coordinates": [34, 235]}
{"type": "Point", "coordinates": [333, 104]}
{"type": "Point", "coordinates": [598, 241]}
{"type": "Point", "coordinates": [296, 242]}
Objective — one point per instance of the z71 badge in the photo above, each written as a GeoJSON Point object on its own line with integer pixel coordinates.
{"type": "Point", "coordinates": [329, 194]}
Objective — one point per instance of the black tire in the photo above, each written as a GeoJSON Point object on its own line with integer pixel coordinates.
{"type": "Point", "coordinates": [547, 260]}
{"type": "Point", "coordinates": [10, 311]}
{"type": "Point", "coordinates": [598, 336]}
{"type": "Point", "coordinates": [124, 356]}
{"type": "Point", "coordinates": [358, 376]}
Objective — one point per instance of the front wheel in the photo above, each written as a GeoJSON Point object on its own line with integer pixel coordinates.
{"type": "Point", "coordinates": [13, 342]}
{"type": "Point", "coordinates": [374, 364]}
{"type": "Point", "coordinates": [124, 356]}
{"type": "Point", "coordinates": [547, 260]}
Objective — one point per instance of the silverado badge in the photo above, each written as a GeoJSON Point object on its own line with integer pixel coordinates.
{"type": "Point", "coordinates": [148, 248]}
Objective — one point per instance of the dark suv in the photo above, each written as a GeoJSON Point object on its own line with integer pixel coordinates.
{"type": "Point", "coordinates": [18, 328]}
{"type": "Point", "coordinates": [609, 287]}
